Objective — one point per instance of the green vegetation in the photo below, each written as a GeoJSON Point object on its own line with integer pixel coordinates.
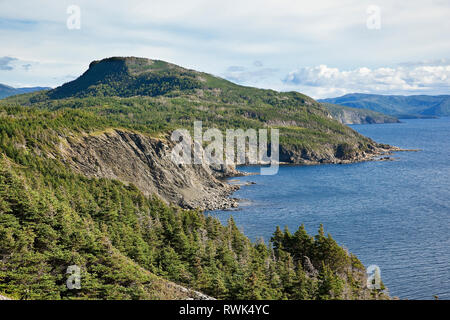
{"type": "Point", "coordinates": [154, 97]}
{"type": "Point", "coordinates": [130, 246]}
{"type": "Point", "coordinates": [51, 218]}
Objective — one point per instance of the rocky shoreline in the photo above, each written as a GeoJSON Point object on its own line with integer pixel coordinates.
{"type": "Point", "coordinates": [380, 153]}
{"type": "Point", "coordinates": [145, 162]}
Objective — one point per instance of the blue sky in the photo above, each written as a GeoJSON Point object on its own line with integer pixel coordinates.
{"type": "Point", "coordinates": [323, 48]}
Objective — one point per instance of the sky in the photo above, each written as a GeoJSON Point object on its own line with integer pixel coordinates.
{"type": "Point", "coordinates": [322, 48]}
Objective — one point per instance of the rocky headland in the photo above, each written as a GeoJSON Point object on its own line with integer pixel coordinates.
{"type": "Point", "coordinates": [145, 162]}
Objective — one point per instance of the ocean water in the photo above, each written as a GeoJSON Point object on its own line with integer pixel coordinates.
{"type": "Point", "coordinates": [394, 214]}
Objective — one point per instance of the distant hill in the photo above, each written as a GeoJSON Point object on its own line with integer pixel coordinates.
{"type": "Point", "coordinates": [131, 76]}
{"type": "Point", "coordinates": [417, 106]}
{"type": "Point", "coordinates": [6, 91]}
{"type": "Point", "coordinates": [347, 115]}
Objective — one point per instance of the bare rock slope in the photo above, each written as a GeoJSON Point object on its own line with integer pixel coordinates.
{"type": "Point", "coordinates": [146, 162]}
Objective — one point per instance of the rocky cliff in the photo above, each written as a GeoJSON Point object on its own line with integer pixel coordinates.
{"type": "Point", "coordinates": [146, 162]}
{"type": "Point", "coordinates": [342, 154]}
{"type": "Point", "coordinates": [347, 115]}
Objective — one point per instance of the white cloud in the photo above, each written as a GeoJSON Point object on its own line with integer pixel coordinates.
{"type": "Point", "coordinates": [321, 81]}
{"type": "Point", "coordinates": [255, 75]}
{"type": "Point", "coordinates": [211, 35]}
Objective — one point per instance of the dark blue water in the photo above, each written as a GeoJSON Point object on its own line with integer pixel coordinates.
{"type": "Point", "coordinates": [392, 214]}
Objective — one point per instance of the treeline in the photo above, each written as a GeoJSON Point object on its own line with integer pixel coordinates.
{"type": "Point", "coordinates": [50, 221]}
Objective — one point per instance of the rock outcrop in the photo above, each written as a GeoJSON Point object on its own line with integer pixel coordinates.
{"type": "Point", "coordinates": [347, 115]}
{"type": "Point", "coordinates": [340, 154]}
{"type": "Point", "coordinates": [146, 162]}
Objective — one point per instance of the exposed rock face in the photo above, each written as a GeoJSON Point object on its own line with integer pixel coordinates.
{"type": "Point", "coordinates": [347, 115]}
{"type": "Point", "coordinates": [146, 162]}
{"type": "Point", "coordinates": [340, 154]}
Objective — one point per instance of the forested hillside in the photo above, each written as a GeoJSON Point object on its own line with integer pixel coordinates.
{"type": "Point", "coordinates": [135, 246]}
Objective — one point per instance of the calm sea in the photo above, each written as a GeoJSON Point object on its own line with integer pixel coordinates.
{"type": "Point", "coordinates": [394, 214]}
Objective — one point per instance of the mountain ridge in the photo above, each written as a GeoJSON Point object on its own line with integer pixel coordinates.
{"type": "Point", "coordinates": [128, 76]}
{"type": "Point", "coordinates": [397, 105]}
{"type": "Point", "coordinates": [7, 91]}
